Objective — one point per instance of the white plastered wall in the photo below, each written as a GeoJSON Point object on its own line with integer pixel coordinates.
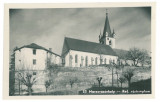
{"type": "Point", "coordinates": [84, 54]}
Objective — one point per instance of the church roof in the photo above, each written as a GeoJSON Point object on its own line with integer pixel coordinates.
{"type": "Point", "coordinates": [35, 46]}
{"type": "Point", "coordinates": [86, 46]}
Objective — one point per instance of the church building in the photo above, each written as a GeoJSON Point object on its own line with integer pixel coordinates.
{"type": "Point", "coordinates": [79, 53]}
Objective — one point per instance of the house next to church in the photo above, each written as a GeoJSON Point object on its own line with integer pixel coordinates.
{"type": "Point", "coordinates": [79, 53]}
{"type": "Point", "coordinates": [35, 57]}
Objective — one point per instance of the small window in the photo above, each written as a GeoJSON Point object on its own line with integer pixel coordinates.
{"type": "Point", "coordinates": [34, 51]}
{"type": "Point", "coordinates": [110, 61]}
{"type": "Point", "coordinates": [34, 73]}
{"type": "Point", "coordinates": [86, 60]}
{"type": "Point", "coordinates": [105, 61]}
{"type": "Point", "coordinates": [34, 61]}
{"type": "Point", "coordinates": [110, 43]}
{"type": "Point", "coordinates": [96, 61]}
{"type": "Point", "coordinates": [113, 61]}
{"type": "Point", "coordinates": [76, 58]}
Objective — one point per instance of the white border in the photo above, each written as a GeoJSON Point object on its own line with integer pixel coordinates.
{"type": "Point", "coordinates": [157, 81]}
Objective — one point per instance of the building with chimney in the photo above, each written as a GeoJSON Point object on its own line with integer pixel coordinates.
{"type": "Point", "coordinates": [79, 53]}
{"type": "Point", "coordinates": [35, 57]}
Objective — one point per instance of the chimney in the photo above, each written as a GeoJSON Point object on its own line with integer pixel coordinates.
{"type": "Point", "coordinates": [50, 49]}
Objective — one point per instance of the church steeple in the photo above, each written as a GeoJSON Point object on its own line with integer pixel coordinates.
{"type": "Point", "coordinates": [108, 37]}
{"type": "Point", "coordinates": [107, 29]}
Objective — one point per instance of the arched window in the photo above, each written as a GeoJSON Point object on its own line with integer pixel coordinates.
{"type": "Point", "coordinates": [82, 61]}
{"type": "Point", "coordinates": [76, 58]}
{"type": "Point", "coordinates": [105, 61]}
{"type": "Point", "coordinates": [86, 60]}
{"type": "Point", "coordinates": [110, 61]}
{"type": "Point", "coordinates": [96, 61]}
{"type": "Point", "coordinates": [92, 60]}
{"type": "Point", "coordinates": [110, 42]}
{"type": "Point", "coordinates": [101, 60]}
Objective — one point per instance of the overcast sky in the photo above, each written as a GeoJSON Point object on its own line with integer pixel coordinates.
{"type": "Point", "coordinates": [48, 27]}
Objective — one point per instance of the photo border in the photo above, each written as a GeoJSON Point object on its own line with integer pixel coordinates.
{"type": "Point", "coordinates": [76, 5]}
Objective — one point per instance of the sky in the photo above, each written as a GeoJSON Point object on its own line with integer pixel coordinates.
{"type": "Point", "coordinates": [49, 27]}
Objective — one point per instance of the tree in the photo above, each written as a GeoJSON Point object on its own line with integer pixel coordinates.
{"type": "Point", "coordinates": [128, 74]}
{"type": "Point", "coordinates": [47, 84]}
{"type": "Point", "coordinates": [12, 75]}
{"type": "Point", "coordinates": [28, 79]}
{"type": "Point", "coordinates": [144, 57]}
{"type": "Point", "coordinates": [122, 56]}
{"type": "Point", "coordinates": [137, 56]}
{"type": "Point", "coordinates": [121, 80]}
{"type": "Point", "coordinates": [72, 81]}
{"type": "Point", "coordinates": [99, 81]}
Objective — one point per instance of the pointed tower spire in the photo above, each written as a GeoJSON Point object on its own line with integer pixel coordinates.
{"type": "Point", "coordinates": [100, 35]}
{"type": "Point", "coordinates": [107, 28]}
{"type": "Point", "coordinates": [113, 31]}
{"type": "Point", "coordinates": [113, 34]}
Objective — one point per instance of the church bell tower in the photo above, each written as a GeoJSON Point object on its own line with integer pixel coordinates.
{"type": "Point", "coordinates": [108, 36]}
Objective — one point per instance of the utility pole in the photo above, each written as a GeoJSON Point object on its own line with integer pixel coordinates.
{"type": "Point", "coordinates": [112, 77]}
{"type": "Point", "coordinates": [19, 88]}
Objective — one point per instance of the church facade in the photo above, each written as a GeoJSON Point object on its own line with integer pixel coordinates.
{"type": "Point", "coordinates": [79, 53]}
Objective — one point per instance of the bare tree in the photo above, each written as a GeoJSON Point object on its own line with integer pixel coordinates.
{"type": "Point", "coordinates": [99, 81]}
{"type": "Point", "coordinates": [122, 56]}
{"type": "Point", "coordinates": [128, 74]}
{"type": "Point", "coordinates": [121, 80]}
{"type": "Point", "coordinates": [144, 57]}
{"type": "Point", "coordinates": [137, 56]}
{"type": "Point", "coordinates": [72, 81]}
{"type": "Point", "coordinates": [12, 75]}
{"type": "Point", "coordinates": [28, 79]}
{"type": "Point", "coordinates": [47, 84]}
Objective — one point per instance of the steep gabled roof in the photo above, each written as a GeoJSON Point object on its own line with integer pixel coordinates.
{"type": "Point", "coordinates": [86, 46]}
{"type": "Point", "coordinates": [35, 46]}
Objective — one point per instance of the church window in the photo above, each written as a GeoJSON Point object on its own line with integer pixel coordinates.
{"type": "Point", "coordinates": [63, 60]}
{"type": "Point", "coordinates": [96, 61]}
{"type": "Point", "coordinates": [76, 58]}
{"type": "Point", "coordinates": [86, 60]}
{"type": "Point", "coordinates": [110, 43]}
{"type": "Point", "coordinates": [34, 73]}
{"type": "Point", "coordinates": [34, 51]}
{"type": "Point", "coordinates": [82, 60]}
{"type": "Point", "coordinates": [105, 61]}
{"type": "Point", "coordinates": [92, 60]}
{"type": "Point", "coordinates": [110, 61]}
{"type": "Point", "coordinates": [34, 61]}
{"type": "Point", "coordinates": [113, 61]}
